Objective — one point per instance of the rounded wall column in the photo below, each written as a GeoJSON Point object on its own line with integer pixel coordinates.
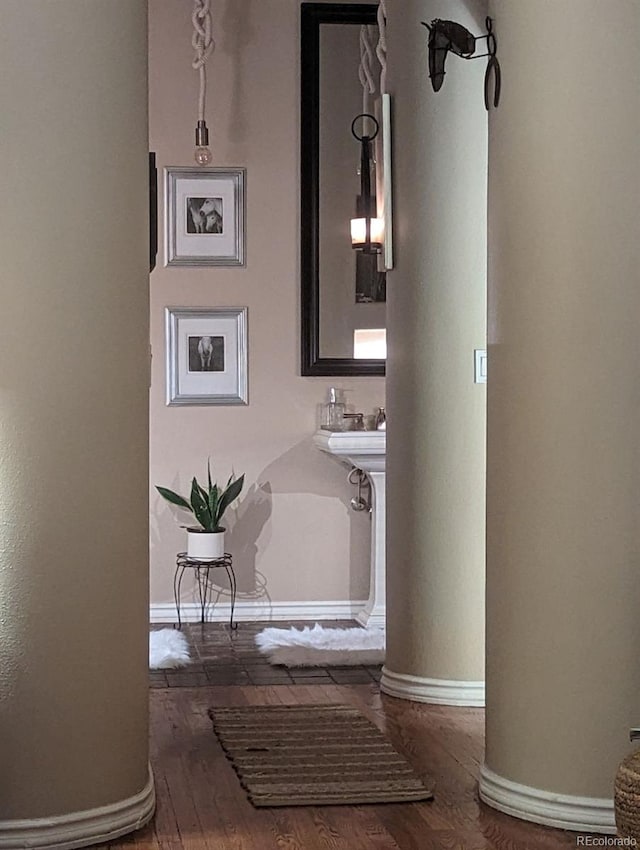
{"type": "Point", "coordinates": [436, 413]}
{"type": "Point", "coordinates": [563, 470]}
{"type": "Point", "coordinates": [74, 364]}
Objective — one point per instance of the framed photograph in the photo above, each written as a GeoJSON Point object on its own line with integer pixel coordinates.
{"type": "Point", "coordinates": [206, 355]}
{"type": "Point", "coordinates": [204, 212]}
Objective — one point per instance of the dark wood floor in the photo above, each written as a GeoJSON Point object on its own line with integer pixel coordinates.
{"type": "Point", "coordinates": [201, 805]}
{"type": "Point", "coordinates": [222, 656]}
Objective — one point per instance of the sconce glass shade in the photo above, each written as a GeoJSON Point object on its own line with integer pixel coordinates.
{"type": "Point", "coordinates": [359, 233]}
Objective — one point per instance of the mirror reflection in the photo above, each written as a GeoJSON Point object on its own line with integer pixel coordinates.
{"type": "Point", "coordinates": [352, 288]}
{"type": "Point", "coordinates": [343, 289]}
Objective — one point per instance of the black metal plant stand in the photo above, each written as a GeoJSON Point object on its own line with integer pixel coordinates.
{"type": "Point", "coordinates": [202, 569]}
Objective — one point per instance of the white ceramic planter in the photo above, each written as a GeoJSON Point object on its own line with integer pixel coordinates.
{"type": "Point", "coordinates": [205, 545]}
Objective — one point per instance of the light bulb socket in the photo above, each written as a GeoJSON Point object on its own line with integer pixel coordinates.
{"type": "Point", "coordinates": [202, 134]}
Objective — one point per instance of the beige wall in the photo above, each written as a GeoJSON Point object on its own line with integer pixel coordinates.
{"type": "Point", "coordinates": [564, 399]}
{"type": "Point", "coordinates": [292, 530]}
{"type": "Point", "coordinates": [73, 406]}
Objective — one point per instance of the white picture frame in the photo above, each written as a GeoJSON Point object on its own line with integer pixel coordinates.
{"type": "Point", "coordinates": [205, 212]}
{"type": "Point", "coordinates": [206, 350]}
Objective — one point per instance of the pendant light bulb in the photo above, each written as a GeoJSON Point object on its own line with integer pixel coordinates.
{"type": "Point", "coordinates": [203, 155]}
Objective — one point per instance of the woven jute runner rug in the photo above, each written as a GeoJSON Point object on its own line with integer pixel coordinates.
{"type": "Point", "coordinates": [313, 755]}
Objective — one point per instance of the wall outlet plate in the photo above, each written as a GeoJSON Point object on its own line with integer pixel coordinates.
{"type": "Point", "coordinates": [480, 366]}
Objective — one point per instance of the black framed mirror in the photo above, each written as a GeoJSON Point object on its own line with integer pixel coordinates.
{"type": "Point", "coordinates": [343, 293]}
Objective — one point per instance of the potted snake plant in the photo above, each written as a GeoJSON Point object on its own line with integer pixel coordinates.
{"type": "Point", "coordinates": [206, 540]}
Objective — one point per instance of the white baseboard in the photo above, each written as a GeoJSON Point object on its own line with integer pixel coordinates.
{"type": "Point", "coordinates": [81, 829]}
{"type": "Point", "coordinates": [435, 691]}
{"type": "Point", "coordinates": [579, 814]}
{"type": "Point", "coordinates": [255, 610]}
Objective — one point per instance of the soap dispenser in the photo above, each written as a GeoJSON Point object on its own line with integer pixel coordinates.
{"type": "Point", "coordinates": [333, 412]}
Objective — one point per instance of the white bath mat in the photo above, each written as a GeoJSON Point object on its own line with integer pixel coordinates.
{"type": "Point", "coordinates": [320, 647]}
{"type": "Point", "coordinates": [168, 648]}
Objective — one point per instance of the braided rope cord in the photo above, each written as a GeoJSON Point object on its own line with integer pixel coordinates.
{"type": "Point", "coordinates": [203, 45]}
{"type": "Point", "coordinates": [381, 47]}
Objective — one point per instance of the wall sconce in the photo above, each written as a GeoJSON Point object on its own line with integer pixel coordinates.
{"type": "Point", "coordinates": [367, 231]}
{"type": "Point", "coordinates": [449, 36]}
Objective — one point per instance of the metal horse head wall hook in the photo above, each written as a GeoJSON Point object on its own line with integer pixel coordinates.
{"type": "Point", "coordinates": [445, 36]}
